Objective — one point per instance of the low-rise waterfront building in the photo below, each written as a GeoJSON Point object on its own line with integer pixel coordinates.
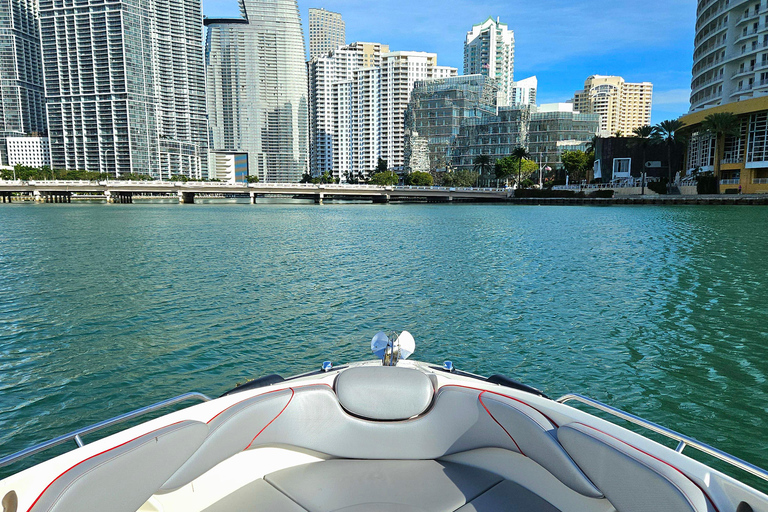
{"type": "Point", "coordinates": [619, 158]}
{"type": "Point", "coordinates": [744, 161]}
{"type": "Point", "coordinates": [556, 128]}
{"type": "Point", "coordinates": [229, 166]}
{"type": "Point", "coordinates": [496, 135]}
{"type": "Point", "coordinates": [546, 131]}
{"type": "Point", "coordinates": [28, 151]}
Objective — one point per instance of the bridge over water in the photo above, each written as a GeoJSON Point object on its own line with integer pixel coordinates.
{"type": "Point", "coordinates": [123, 191]}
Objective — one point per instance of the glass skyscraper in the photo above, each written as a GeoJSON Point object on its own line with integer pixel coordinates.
{"type": "Point", "coordinates": [22, 99]}
{"type": "Point", "coordinates": [125, 86]}
{"type": "Point", "coordinates": [257, 88]}
{"type": "Point", "coordinates": [439, 108]}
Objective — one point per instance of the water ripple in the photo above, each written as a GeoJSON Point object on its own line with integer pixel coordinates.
{"type": "Point", "coordinates": [656, 310]}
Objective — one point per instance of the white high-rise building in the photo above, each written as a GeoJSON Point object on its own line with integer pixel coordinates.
{"type": "Point", "coordinates": [358, 98]}
{"type": "Point", "coordinates": [22, 99]}
{"type": "Point", "coordinates": [257, 88]}
{"type": "Point", "coordinates": [730, 57]}
{"type": "Point", "coordinates": [622, 106]}
{"type": "Point", "coordinates": [489, 50]}
{"type": "Point", "coordinates": [344, 110]}
{"type": "Point", "coordinates": [399, 73]}
{"type": "Point", "coordinates": [125, 86]}
{"type": "Point", "coordinates": [524, 91]}
{"type": "Point", "coordinates": [326, 32]}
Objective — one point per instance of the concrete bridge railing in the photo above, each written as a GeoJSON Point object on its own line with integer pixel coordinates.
{"type": "Point", "coordinates": [124, 190]}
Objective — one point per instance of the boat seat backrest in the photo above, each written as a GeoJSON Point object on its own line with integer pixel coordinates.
{"type": "Point", "coordinates": [631, 479]}
{"type": "Point", "coordinates": [384, 393]}
{"type": "Point", "coordinates": [230, 432]}
{"type": "Point", "coordinates": [459, 420]}
{"type": "Point", "coordinates": [122, 478]}
{"type": "Point", "coordinates": [537, 439]}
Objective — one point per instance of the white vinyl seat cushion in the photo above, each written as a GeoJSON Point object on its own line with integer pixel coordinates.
{"type": "Point", "coordinates": [343, 485]}
{"type": "Point", "coordinates": [121, 479]}
{"type": "Point", "coordinates": [632, 480]}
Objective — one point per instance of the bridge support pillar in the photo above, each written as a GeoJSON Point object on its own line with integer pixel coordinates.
{"type": "Point", "coordinates": [186, 197]}
{"type": "Point", "coordinates": [253, 197]}
{"type": "Point", "coordinates": [319, 198]}
{"type": "Point", "coordinates": [108, 195]}
{"type": "Point", "coordinates": [450, 198]}
{"type": "Point", "coordinates": [36, 195]}
{"type": "Point", "coordinates": [382, 199]}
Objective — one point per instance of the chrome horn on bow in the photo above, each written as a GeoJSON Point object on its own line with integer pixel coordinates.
{"type": "Point", "coordinates": [390, 349]}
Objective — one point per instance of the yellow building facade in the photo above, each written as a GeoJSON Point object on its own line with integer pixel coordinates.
{"type": "Point", "coordinates": [744, 162]}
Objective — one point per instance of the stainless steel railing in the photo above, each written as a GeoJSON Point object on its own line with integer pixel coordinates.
{"type": "Point", "coordinates": [76, 435]}
{"type": "Point", "coordinates": [682, 439]}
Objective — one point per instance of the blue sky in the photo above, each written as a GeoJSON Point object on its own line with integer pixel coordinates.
{"type": "Point", "coordinates": [562, 43]}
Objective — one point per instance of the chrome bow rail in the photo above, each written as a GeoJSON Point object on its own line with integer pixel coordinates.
{"type": "Point", "coordinates": [75, 435]}
{"type": "Point", "coordinates": [682, 439]}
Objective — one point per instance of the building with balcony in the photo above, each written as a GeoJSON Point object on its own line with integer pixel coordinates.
{"type": "Point", "coordinates": [257, 88]}
{"type": "Point", "coordinates": [730, 74]}
{"type": "Point", "coordinates": [358, 97]}
{"type": "Point", "coordinates": [399, 73]}
{"type": "Point", "coordinates": [622, 106]}
{"type": "Point", "coordinates": [125, 86]}
{"type": "Point", "coordinates": [730, 58]}
{"type": "Point", "coordinates": [22, 96]}
{"type": "Point", "coordinates": [344, 110]}
{"type": "Point", "coordinates": [524, 91]}
{"type": "Point", "coordinates": [326, 32]}
{"type": "Point", "coordinates": [489, 49]}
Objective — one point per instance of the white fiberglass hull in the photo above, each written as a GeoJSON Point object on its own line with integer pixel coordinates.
{"type": "Point", "coordinates": [366, 437]}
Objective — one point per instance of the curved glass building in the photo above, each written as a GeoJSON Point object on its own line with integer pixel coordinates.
{"type": "Point", "coordinates": [257, 88]}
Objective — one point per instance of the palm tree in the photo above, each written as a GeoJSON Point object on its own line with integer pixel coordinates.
{"type": "Point", "coordinates": [644, 137]}
{"type": "Point", "coordinates": [521, 153]}
{"type": "Point", "coordinates": [668, 132]}
{"type": "Point", "coordinates": [592, 144]}
{"type": "Point", "coordinates": [719, 126]}
{"type": "Point", "coordinates": [482, 164]}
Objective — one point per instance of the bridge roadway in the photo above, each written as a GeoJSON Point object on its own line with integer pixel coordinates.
{"type": "Point", "coordinates": [123, 191]}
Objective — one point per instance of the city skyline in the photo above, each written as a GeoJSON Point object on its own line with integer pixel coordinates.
{"type": "Point", "coordinates": [634, 45]}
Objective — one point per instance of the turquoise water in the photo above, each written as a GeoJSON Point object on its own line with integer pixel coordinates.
{"type": "Point", "coordinates": [657, 310]}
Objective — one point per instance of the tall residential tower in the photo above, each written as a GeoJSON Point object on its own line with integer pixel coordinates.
{"type": "Point", "coordinates": [489, 50]}
{"type": "Point", "coordinates": [125, 86]}
{"type": "Point", "coordinates": [730, 76]}
{"type": "Point", "coordinates": [257, 88]}
{"type": "Point", "coordinates": [22, 99]}
{"type": "Point", "coordinates": [622, 106]}
{"type": "Point", "coordinates": [326, 32]}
